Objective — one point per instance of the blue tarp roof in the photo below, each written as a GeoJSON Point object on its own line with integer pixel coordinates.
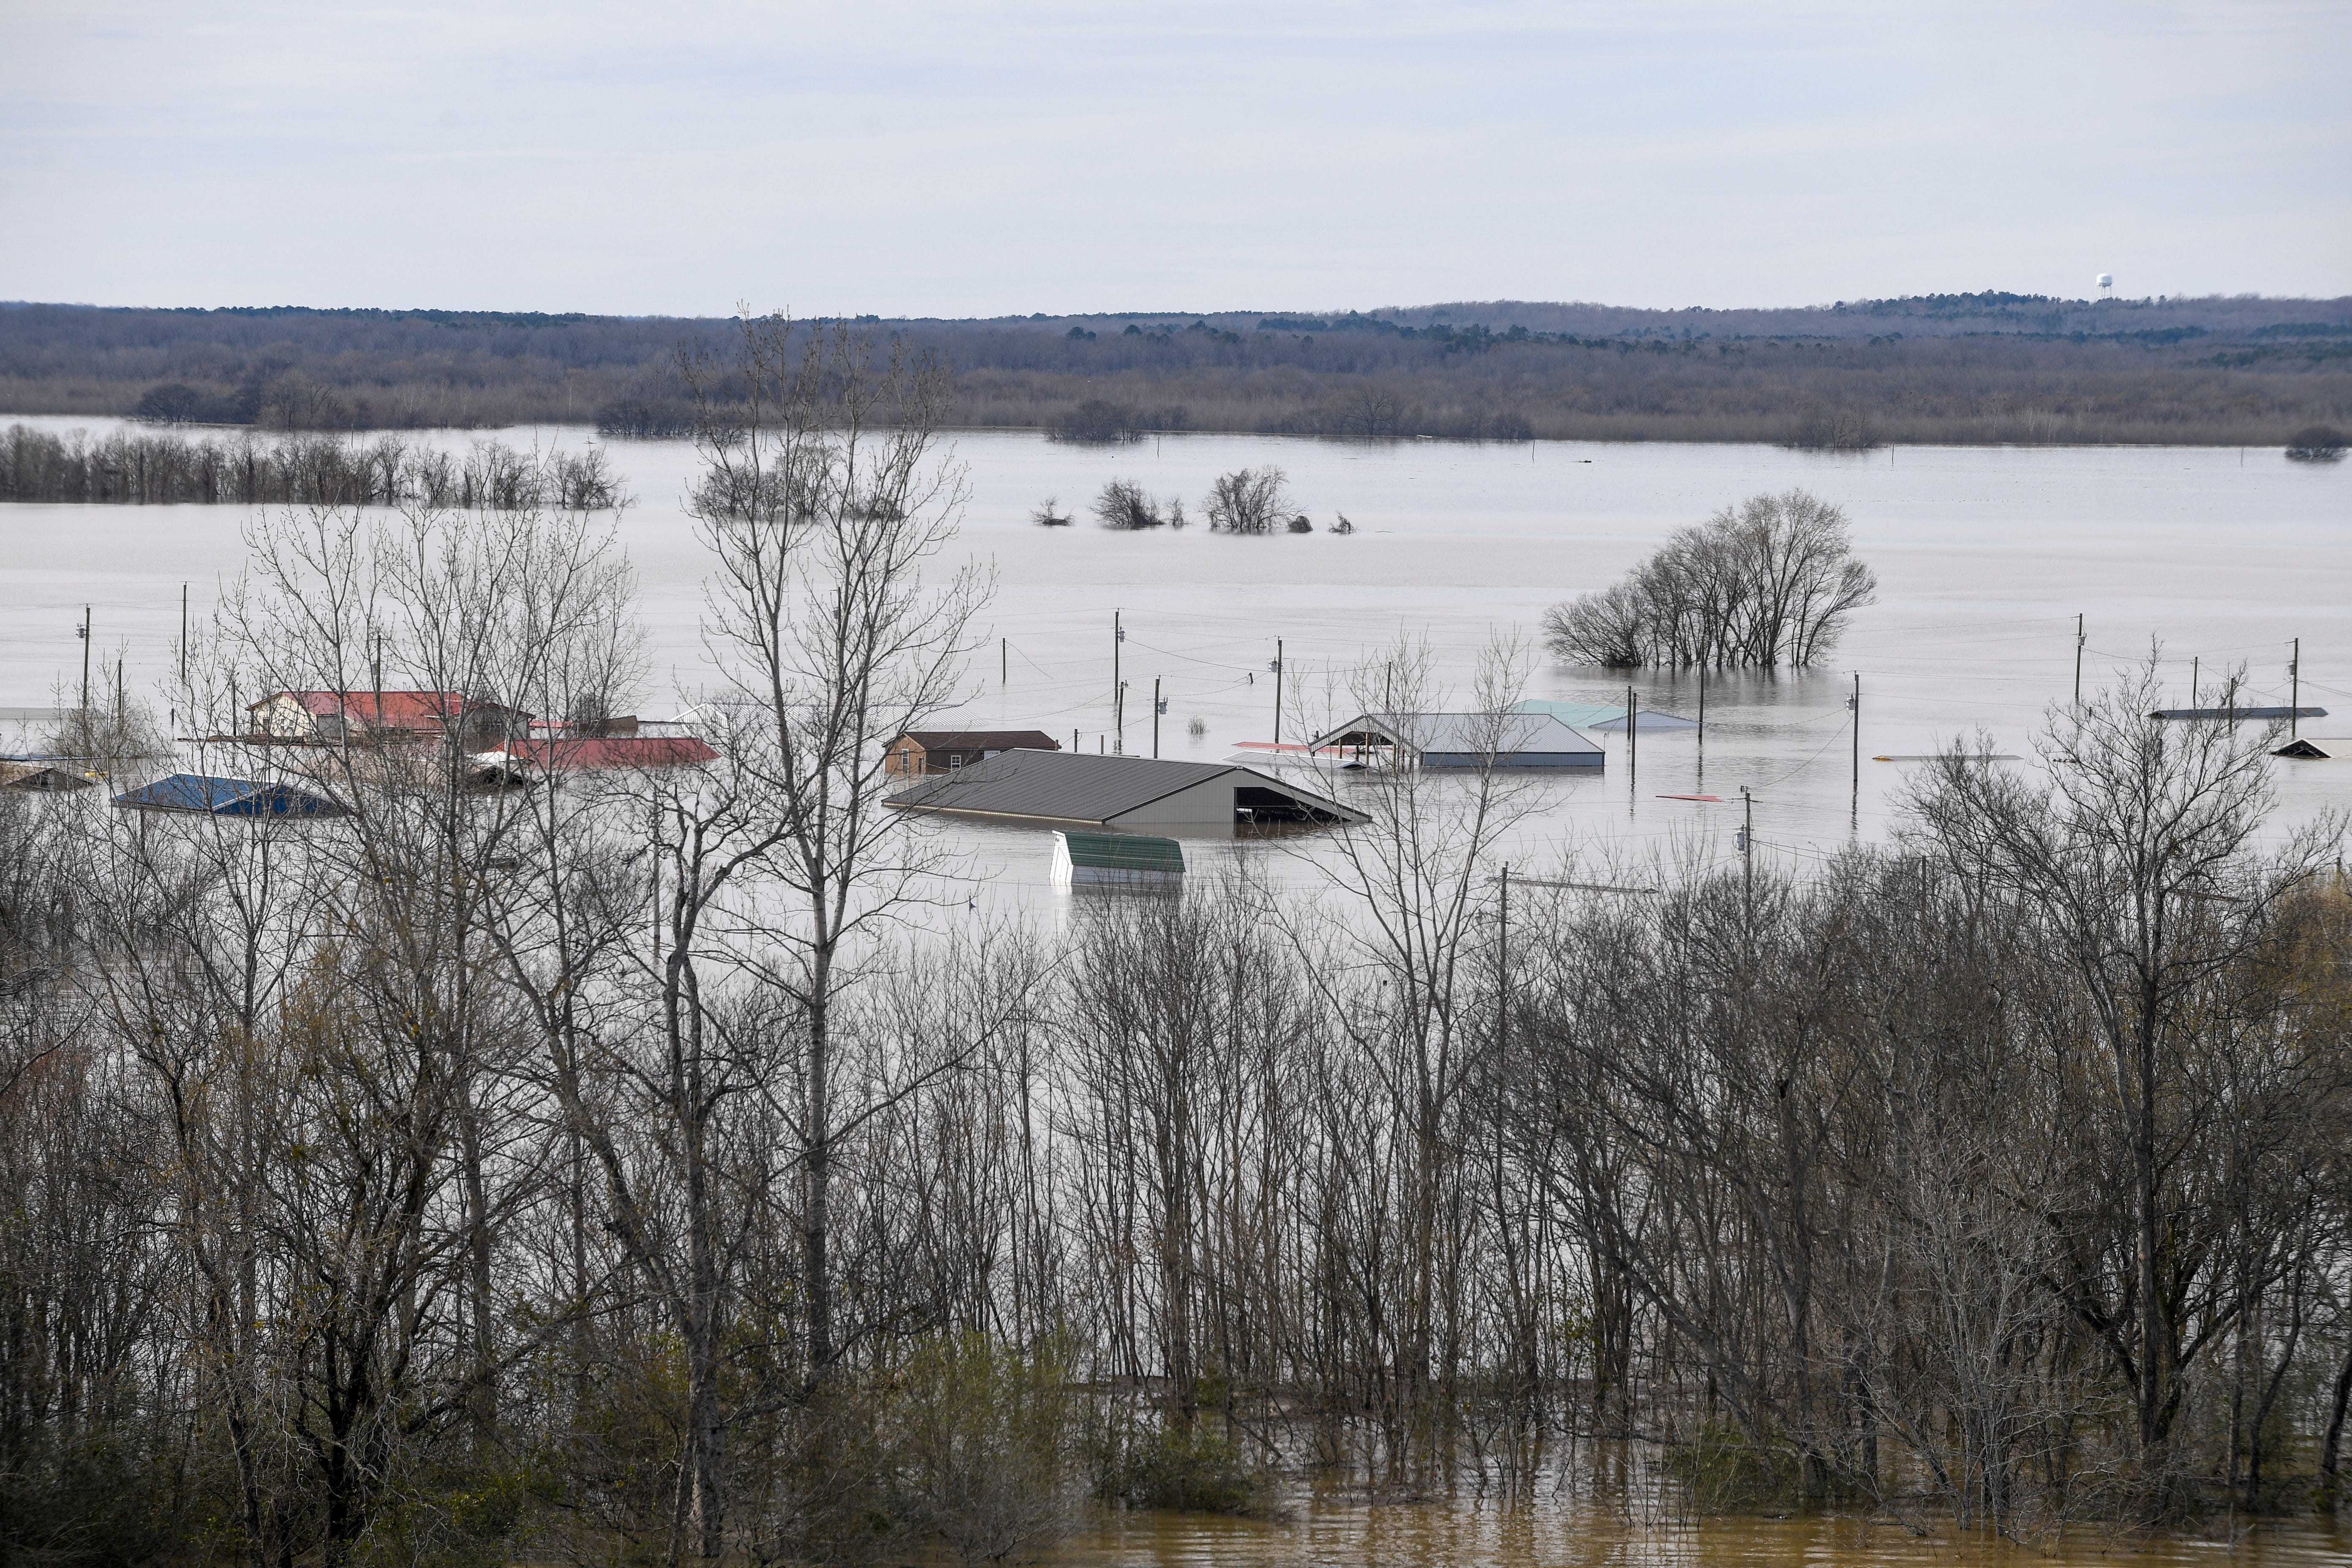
{"type": "Point", "coordinates": [228, 797]}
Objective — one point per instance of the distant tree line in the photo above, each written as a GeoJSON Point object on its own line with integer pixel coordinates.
{"type": "Point", "coordinates": [1961, 368]}
{"type": "Point", "coordinates": [1767, 584]}
{"type": "Point", "coordinates": [131, 468]}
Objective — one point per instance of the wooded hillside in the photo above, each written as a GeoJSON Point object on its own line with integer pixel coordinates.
{"type": "Point", "coordinates": [1958, 368]}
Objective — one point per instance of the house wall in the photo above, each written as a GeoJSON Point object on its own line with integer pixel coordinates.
{"type": "Point", "coordinates": [284, 716]}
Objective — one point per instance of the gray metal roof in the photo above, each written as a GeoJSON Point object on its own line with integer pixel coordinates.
{"type": "Point", "coordinates": [1453, 734]}
{"type": "Point", "coordinates": [1071, 786]}
{"type": "Point", "coordinates": [1608, 716]}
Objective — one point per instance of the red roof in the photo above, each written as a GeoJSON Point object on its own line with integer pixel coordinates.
{"type": "Point", "coordinates": [392, 710]}
{"type": "Point", "coordinates": [613, 752]}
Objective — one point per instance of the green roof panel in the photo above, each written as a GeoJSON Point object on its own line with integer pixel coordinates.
{"type": "Point", "coordinates": [1125, 852]}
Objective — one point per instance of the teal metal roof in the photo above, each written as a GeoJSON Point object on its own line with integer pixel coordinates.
{"type": "Point", "coordinates": [1125, 852]}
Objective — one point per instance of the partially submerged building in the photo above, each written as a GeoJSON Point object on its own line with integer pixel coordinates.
{"type": "Point", "coordinates": [205, 795]}
{"type": "Point", "coordinates": [1605, 717]}
{"type": "Point", "coordinates": [1460, 741]}
{"type": "Point", "coordinates": [329, 718]}
{"type": "Point", "coordinates": [1134, 860]}
{"type": "Point", "coordinates": [917, 752]}
{"type": "Point", "coordinates": [602, 752]}
{"type": "Point", "coordinates": [2315, 748]}
{"type": "Point", "coordinates": [2238, 715]}
{"type": "Point", "coordinates": [42, 777]}
{"type": "Point", "coordinates": [1120, 792]}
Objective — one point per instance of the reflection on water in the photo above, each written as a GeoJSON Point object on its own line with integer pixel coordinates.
{"type": "Point", "coordinates": [1571, 1529]}
{"type": "Point", "coordinates": [1595, 1503]}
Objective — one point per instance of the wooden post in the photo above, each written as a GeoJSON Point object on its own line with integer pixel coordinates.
{"type": "Point", "coordinates": [1155, 717]}
{"type": "Point", "coordinates": [1857, 737]}
{"type": "Point", "coordinates": [2293, 688]}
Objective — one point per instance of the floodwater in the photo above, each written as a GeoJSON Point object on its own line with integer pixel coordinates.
{"type": "Point", "coordinates": [1985, 556]}
{"type": "Point", "coordinates": [1473, 1533]}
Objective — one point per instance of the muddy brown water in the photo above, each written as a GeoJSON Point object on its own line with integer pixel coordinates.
{"type": "Point", "coordinates": [1541, 1533]}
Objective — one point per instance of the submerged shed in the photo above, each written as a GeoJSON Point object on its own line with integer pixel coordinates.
{"type": "Point", "coordinates": [206, 795]}
{"type": "Point", "coordinates": [1508, 740]}
{"type": "Point", "coordinates": [2316, 748]}
{"type": "Point", "coordinates": [1120, 792]}
{"type": "Point", "coordinates": [1117, 860]}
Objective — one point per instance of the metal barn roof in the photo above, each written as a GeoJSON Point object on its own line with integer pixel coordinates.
{"type": "Point", "coordinates": [1506, 735]}
{"type": "Point", "coordinates": [209, 796]}
{"type": "Point", "coordinates": [1609, 717]}
{"type": "Point", "coordinates": [2240, 713]}
{"type": "Point", "coordinates": [1071, 786]}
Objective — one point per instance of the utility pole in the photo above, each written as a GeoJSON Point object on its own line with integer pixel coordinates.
{"type": "Point", "coordinates": [1157, 709]}
{"type": "Point", "coordinates": [1117, 687]}
{"type": "Point", "coordinates": [2294, 686]}
{"type": "Point", "coordinates": [2193, 663]}
{"type": "Point", "coordinates": [183, 633]}
{"type": "Point", "coordinates": [85, 659]}
{"type": "Point", "coordinates": [1633, 733]}
{"type": "Point", "coordinates": [1278, 691]}
{"type": "Point", "coordinates": [1856, 704]}
{"type": "Point", "coordinates": [1702, 704]}
{"type": "Point", "coordinates": [1003, 661]}
{"type": "Point", "coordinates": [2078, 662]}
{"type": "Point", "coordinates": [1748, 848]}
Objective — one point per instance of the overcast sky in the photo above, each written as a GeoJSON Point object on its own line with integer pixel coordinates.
{"type": "Point", "coordinates": [970, 159]}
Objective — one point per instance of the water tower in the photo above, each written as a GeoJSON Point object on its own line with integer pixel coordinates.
{"type": "Point", "coordinates": [2107, 285]}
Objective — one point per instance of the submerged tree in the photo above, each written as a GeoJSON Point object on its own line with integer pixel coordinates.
{"type": "Point", "coordinates": [1769, 583]}
{"type": "Point", "coordinates": [1128, 506]}
{"type": "Point", "coordinates": [1250, 500]}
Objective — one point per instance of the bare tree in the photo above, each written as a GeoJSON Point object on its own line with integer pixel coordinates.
{"type": "Point", "coordinates": [2140, 859]}
{"type": "Point", "coordinates": [1769, 583]}
{"type": "Point", "coordinates": [1250, 500]}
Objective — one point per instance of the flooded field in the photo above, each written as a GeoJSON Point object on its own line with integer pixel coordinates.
{"type": "Point", "coordinates": [1985, 556]}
